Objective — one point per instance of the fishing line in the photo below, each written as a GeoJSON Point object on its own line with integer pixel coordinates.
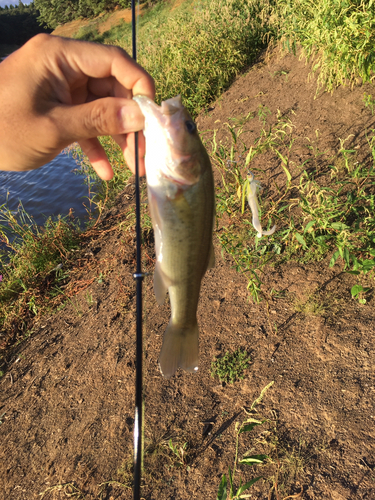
{"type": "Point", "coordinates": [138, 276]}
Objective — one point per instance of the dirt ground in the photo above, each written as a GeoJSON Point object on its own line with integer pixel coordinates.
{"type": "Point", "coordinates": [103, 22]}
{"type": "Point", "coordinates": [67, 400]}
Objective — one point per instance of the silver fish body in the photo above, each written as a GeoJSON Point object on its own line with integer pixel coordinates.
{"type": "Point", "coordinates": [182, 206]}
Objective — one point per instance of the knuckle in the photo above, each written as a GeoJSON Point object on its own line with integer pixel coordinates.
{"type": "Point", "coordinates": [99, 120]}
{"type": "Point", "coordinates": [39, 40]}
{"type": "Point", "coordinates": [118, 51]}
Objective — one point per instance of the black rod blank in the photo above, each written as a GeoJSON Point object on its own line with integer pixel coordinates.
{"type": "Point", "coordinates": [138, 276]}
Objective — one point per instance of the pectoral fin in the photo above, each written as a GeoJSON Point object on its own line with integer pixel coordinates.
{"type": "Point", "coordinates": [161, 284]}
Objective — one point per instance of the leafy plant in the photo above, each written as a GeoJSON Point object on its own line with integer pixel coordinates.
{"type": "Point", "coordinates": [369, 102]}
{"type": "Point", "coordinates": [237, 232]}
{"type": "Point", "coordinates": [234, 492]}
{"type": "Point", "coordinates": [358, 292]}
{"type": "Point", "coordinates": [231, 366]}
{"type": "Point", "coordinates": [330, 212]}
{"type": "Point", "coordinates": [32, 262]}
{"type": "Point", "coordinates": [179, 452]}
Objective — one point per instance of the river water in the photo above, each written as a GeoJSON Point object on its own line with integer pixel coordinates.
{"type": "Point", "coordinates": [51, 190]}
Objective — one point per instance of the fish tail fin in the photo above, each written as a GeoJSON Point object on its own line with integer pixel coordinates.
{"type": "Point", "coordinates": [180, 349]}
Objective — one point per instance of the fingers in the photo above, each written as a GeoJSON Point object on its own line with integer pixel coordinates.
{"type": "Point", "coordinates": [71, 91]}
{"type": "Point", "coordinates": [99, 161]}
{"type": "Point", "coordinates": [78, 58]}
{"type": "Point", "coordinates": [119, 118]}
{"type": "Point", "coordinates": [97, 157]}
{"type": "Point", "coordinates": [127, 145]}
{"type": "Point", "coordinates": [107, 116]}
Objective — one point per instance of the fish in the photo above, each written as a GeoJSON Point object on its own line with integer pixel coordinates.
{"type": "Point", "coordinates": [181, 200]}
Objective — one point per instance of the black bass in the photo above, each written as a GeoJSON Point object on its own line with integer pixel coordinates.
{"type": "Point", "coordinates": [182, 206]}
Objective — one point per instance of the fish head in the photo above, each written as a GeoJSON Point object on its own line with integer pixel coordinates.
{"type": "Point", "coordinates": [173, 145]}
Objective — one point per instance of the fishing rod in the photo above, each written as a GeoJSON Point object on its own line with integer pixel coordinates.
{"type": "Point", "coordinates": [138, 276]}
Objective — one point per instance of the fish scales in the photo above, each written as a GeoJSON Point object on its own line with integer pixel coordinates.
{"type": "Point", "coordinates": [188, 253]}
{"type": "Point", "coordinates": [182, 205]}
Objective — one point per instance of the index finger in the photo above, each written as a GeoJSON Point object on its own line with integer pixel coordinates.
{"type": "Point", "coordinates": [81, 58]}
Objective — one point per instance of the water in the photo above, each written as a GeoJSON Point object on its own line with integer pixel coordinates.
{"type": "Point", "coordinates": [51, 190]}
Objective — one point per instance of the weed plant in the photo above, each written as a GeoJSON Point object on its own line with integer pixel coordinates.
{"type": "Point", "coordinates": [231, 366]}
{"type": "Point", "coordinates": [336, 36]}
{"type": "Point", "coordinates": [369, 102]}
{"type": "Point", "coordinates": [281, 459]}
{"type": "Point", "coordinates": [230, 491]}
{"type": "Point", "coordinates": [288, 457]}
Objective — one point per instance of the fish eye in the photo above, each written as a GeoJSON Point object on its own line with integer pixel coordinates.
{"type": "Point", "coordinates": [190, 126]}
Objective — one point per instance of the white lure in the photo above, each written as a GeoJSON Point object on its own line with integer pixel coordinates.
{"type": "Point", "coordinates": [253, 188]}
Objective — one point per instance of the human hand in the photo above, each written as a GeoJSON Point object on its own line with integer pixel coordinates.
{"type": "Point", "coordinates": [55, 91]}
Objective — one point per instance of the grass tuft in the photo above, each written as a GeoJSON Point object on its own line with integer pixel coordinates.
{"type": "Point", "coordinates": [231, 366]}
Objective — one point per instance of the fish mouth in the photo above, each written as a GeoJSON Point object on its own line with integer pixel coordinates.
{"type": "Point", "coordinates": [168, 107]}
{"type": "Point", "coordinates": [161, 115]}
{"type": "Point", "coordinates": [169, 125]}
{"type": "Point", "coordinates": [171, 106]}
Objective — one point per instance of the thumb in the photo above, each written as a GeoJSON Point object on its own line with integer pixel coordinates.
{"type": "Point", "coordinates": [105, 116]}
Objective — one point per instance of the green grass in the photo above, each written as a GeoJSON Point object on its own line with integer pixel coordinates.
{"type": "Point", "coordinates": [198, 53]}
{"type": "Point", "coordinates": [33, 262]}
{"type": "Point", "coordinates": [369, 102]}
{"type": "Point", "coordinates": [336, 36]}
{"type": "Point", "coordinates": [196, 49]}
{"type": "Point", "coordinates": [280, 460]}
